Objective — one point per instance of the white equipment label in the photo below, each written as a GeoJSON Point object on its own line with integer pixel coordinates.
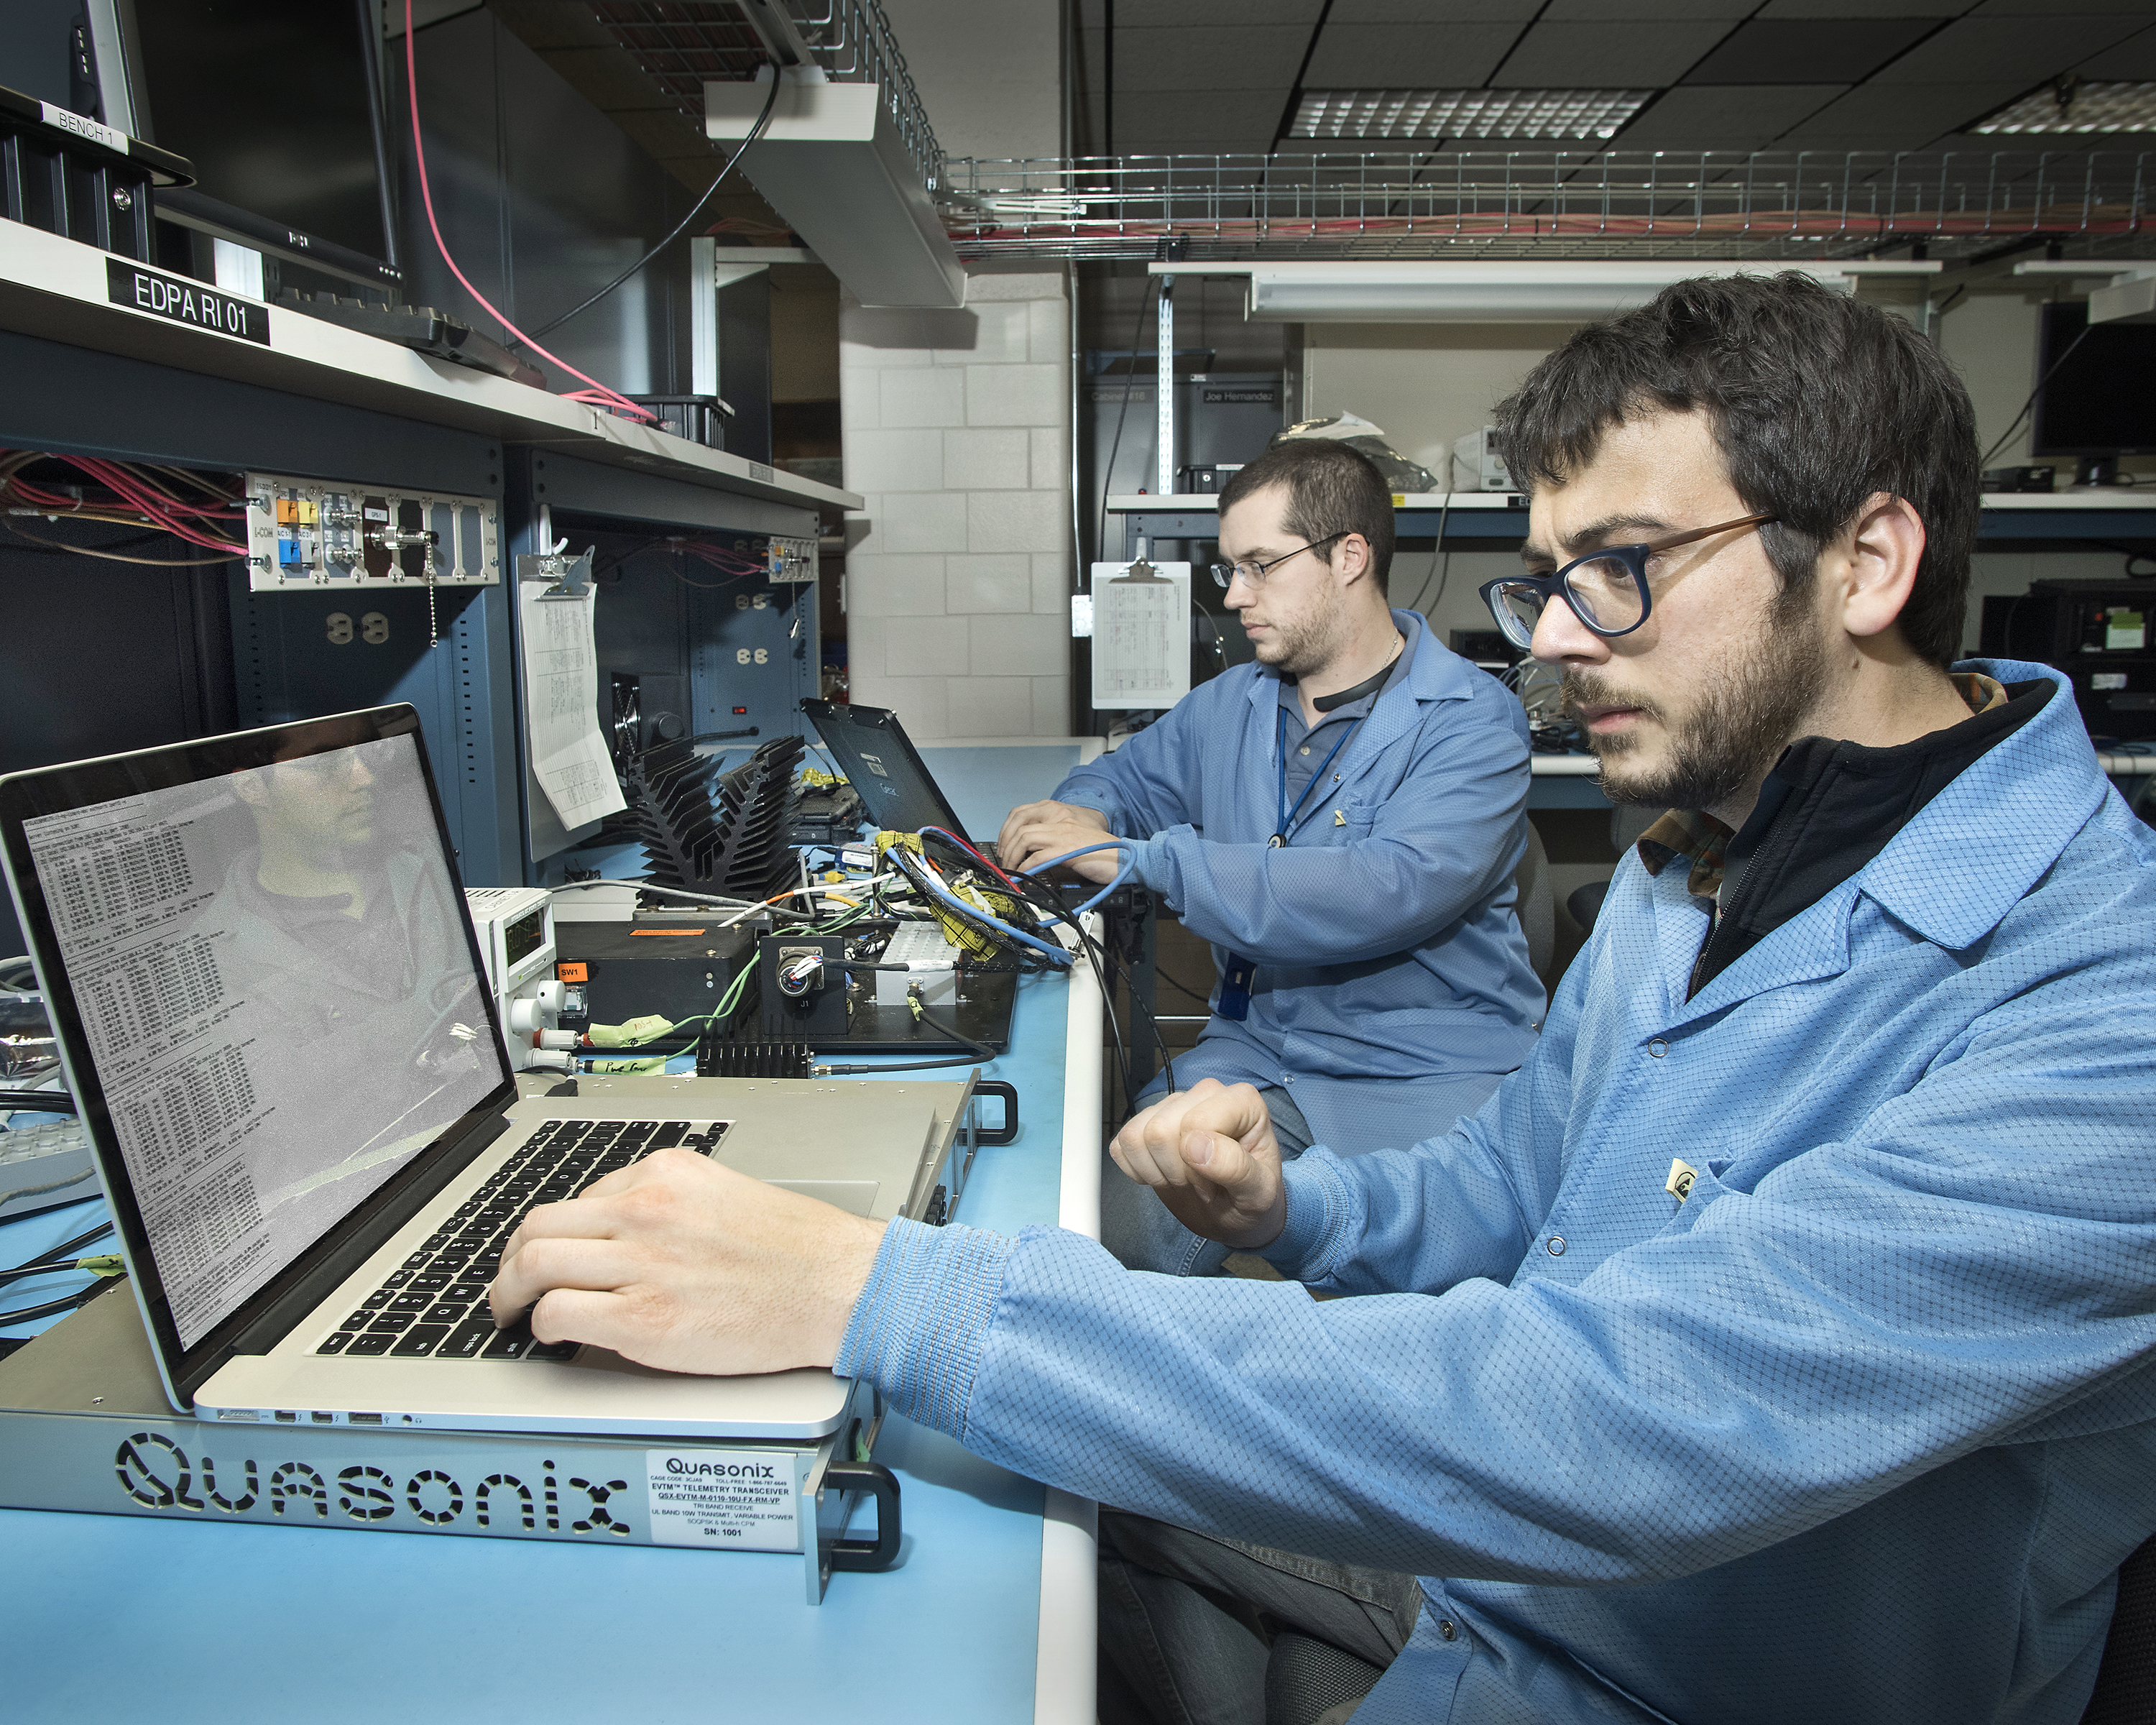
{"type": "Point", "coordinates": [734, 1500]}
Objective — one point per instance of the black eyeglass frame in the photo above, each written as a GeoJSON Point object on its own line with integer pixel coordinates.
{"type": "Point", "coordinates": [1223, 581]}
{"type": "Point", "coordinates": [1633, 557]}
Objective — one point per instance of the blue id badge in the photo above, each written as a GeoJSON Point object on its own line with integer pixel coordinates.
{"type": "Point", "coordinates": [1236, 988]}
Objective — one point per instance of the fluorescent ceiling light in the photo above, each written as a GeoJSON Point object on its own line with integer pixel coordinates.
{"type": "Point", "coordinates": [2089, 107]}
{"type": "Point", "coordinates": [1492, 291]}
{"type": "Point", "coordinates": [1466, 113]}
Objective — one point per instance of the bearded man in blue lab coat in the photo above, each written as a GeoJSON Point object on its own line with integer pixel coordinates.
{"type": "Point", "coordinates": [1779, 1344]}
{"type": "Point", "coordinates": [1342, 820]}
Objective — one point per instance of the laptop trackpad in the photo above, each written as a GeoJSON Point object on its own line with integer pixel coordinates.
{"type": "Point", "coordinates": [855, 1196]}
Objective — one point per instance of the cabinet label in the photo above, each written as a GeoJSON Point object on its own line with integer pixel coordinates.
{"type": "Point", "coordinates": [724, 1500]}
{"type": "Point", "coordinates": [96, 131]}
{"type": "Point", "coordinates": [178, 300]}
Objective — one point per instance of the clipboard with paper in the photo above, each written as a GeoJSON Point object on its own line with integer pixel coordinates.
{"type": "Point", "coordinates": [556, 601]}
{"type": "Point", "coordinates": [1141, 634]}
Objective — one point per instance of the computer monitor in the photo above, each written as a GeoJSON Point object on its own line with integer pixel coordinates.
{"type": "Point", "coordinates": [279, 105]}
{"type": "Point", "coordinates": [2097, 403]}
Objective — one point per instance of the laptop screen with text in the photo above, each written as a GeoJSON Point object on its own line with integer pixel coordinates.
{"type": "Point", "coordinates": [277, 993]}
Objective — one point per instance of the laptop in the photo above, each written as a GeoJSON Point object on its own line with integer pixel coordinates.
{"type": "Point", "coordinates": [880, 760]}
{"type": "Point", "coordinates": [273, 1014]}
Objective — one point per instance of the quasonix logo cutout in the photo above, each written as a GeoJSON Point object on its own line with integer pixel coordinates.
{"type": "Point", "coordinates": [157, 1473]}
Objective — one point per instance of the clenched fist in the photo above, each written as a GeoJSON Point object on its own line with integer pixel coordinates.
{"type": "Point", "coordinates": [1209, 1155]}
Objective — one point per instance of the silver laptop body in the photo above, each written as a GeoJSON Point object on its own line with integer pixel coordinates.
{"type": "Point", "coordinates": [274, 1019]}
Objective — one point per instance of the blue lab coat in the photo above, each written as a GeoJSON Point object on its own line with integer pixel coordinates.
{"type": "Point", "coordinates": [1859, 1430]}
{"type": "Point", "coordinates": [1391, 966]}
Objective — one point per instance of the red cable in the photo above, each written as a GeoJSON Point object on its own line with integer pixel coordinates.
{"type": "Point", "coordinates": [140, 499]}
{"type": "Point", "coordinates": [143, 499]}
{"type": "Point", "coordinates": [612, 397]}
{"type": "Point", "coordinates": [966, 846]}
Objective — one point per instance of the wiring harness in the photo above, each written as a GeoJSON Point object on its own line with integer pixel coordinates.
{"type": "Point", "coordinates": [191, 507]}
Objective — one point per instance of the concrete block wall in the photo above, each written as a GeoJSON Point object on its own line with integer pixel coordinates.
{"type": "Point", "coordinates": [959, 570]}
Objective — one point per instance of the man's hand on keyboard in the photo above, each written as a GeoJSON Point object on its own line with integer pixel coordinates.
{"type": "Point", "coordinates": [1037, 831]}
{"type": "Point", "coordinates": [1209, 1155]}
{"type": "Point", "coordinates": [679, 1263]}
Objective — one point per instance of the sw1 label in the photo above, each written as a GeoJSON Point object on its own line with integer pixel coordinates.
{"type": "Point", "coordinates": [730, 1500]}
{"type": "Point", "coordinates": [177, 299]}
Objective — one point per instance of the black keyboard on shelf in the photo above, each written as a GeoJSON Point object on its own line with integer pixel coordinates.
{"type": "Point", "coordinates": [435, 1305]}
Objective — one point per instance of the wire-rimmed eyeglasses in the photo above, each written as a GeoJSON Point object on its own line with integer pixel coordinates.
{"type": "Point", "coordinates": [1224, 574]}
{"type": "Point", "coordinates": [1607, 589]}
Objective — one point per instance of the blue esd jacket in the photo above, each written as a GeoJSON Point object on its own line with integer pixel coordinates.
{"type": "Point", "coordinates": [1858, 1432]}
{"type": "Point", "coordinates": [1387, 943]}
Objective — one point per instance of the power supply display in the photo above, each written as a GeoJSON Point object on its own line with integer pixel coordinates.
{"type": "Point", "coordinates": [316, 533]}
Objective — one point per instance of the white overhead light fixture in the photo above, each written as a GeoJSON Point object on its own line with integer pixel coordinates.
{"type": "Point", "coordinates": [2074, 106]}
{"type": "Point", "coordinates": [1485, 291]}
{"type": "Point", "coordinates": [1466, 113]}
{"type": "Point", "coordinates": [833, 164]}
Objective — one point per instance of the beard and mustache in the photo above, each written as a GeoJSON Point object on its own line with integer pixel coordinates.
{"type": "Point", "coordinates": [1744, 714]}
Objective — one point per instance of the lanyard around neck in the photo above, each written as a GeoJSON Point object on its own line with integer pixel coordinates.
{"type": "Point", "coordinates": [1286, 830]}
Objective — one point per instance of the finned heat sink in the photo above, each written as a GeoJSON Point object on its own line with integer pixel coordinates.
{"type": "Point", "coordinates": [708, 832]}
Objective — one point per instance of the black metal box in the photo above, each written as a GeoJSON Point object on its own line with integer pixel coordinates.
{"type": "Point", "coordinates": [670, 964]}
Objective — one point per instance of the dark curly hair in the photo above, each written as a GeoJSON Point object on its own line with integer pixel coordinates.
{"type": "Point", "coordinates": [1816, 401]}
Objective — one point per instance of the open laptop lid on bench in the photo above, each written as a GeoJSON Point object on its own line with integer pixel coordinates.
{"type": "Point", "coordinates": [880, 761]}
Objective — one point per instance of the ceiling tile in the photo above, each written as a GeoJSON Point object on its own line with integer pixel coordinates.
{"type": "Point", "coordinates": [1209, 121]}
{"type": "Point", "coordinates": [1881, 116]}
{"type": "Point", "coordinates": [1257, 57]}
{"type": "Point", "coordinates": [1808, 50]}
{"type": "Point", "coordinates": [2022, 51]}
{"type": "Point", "coordinates": [1857, 9]}
{"type": "Point", "coordinates": [1733, 117]}
{"type": "Point", "coordinates": [2131, 61]}
{"type": "Point", "coordinates": [1605, 55]}
{"type": "Point", "coordinates": [1389, 57]}
{"type": "Point", "coordinates": [1656, 11]}
{"type": "Point", "coordinates": [1431, 12]}
{"type": "Point", "coordinates": [2053, 9]}
{"type": "Point", "coordinates": [1213, 14]}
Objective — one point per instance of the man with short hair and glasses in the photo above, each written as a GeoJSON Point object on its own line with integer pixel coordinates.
{"type": "Point", "coordinates": [1777, 1345]}
{"type": "Point", "coordinates": [1342, 820]}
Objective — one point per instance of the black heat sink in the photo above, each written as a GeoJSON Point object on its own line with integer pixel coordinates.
{"type": "Point", "coordinates": [705, 832]}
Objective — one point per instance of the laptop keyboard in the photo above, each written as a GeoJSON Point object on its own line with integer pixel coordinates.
{"type": "Point", "coordinates": [435, 1306]}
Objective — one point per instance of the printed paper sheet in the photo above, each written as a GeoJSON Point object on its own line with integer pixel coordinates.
{"type": "Point", "coordinates": [1141, 636]}
{"type": "Point", "coordinates": [562, 691]}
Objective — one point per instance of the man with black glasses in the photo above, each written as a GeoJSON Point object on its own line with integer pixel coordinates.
{"type": "Point", "coordinates": [1779, 1343]}
{"type": "Point", "coordinates": [1341, 819]}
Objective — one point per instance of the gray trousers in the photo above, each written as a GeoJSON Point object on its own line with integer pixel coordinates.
{"type": "Point", "coordinates": [1186, 1620]}
{"type": "Point", "coordinates": [1137, 1226]}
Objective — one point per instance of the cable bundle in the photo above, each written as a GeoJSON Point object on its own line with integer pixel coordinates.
{"type": "Point", "coordinates": [735, 564]}
{"type": "Point", "coordinates": [708, 833]}
{"type": "Point", "coordinates": [992, 924]}
{"type": "Point", "coordinates": [167, 500]}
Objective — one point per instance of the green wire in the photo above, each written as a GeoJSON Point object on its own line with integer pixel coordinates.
{"type": "Point", "coordinates": [724, 1010]}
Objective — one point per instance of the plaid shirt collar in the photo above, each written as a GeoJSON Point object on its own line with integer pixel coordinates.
{"type": "Point", "coordinates": [1703, 841]}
